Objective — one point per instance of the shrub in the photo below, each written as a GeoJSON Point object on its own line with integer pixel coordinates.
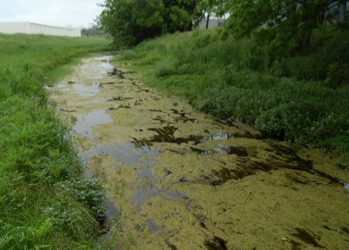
{"type": "Point", "coordinates": [70, 215]}
{"type": "Point", "coordinates": [88, 192]}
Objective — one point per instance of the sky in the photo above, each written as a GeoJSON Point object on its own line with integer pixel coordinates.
{"type": "Point", "coordinates": [62, 13]}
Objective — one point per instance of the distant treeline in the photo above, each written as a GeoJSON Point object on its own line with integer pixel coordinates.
{"type": "Point", "coordinates": [91, 32]}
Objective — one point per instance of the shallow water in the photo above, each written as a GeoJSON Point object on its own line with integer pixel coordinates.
{"type": "Point", "coordinates": [180, 179]}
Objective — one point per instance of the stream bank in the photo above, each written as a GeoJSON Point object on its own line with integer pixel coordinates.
{"type": "Point", "coordinates": [181, 179]}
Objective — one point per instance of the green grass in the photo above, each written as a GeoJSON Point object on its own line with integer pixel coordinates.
{"type": "Point", "coordinates": [40, 207]}
{"type": "Point", "coordinates": [303, 99]}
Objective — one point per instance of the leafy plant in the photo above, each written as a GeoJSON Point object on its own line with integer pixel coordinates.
{"type": "Point", "coordinates": [32, 237]}
{"type": "Point", "coordinates": [285, 27]}
{"type": "Point", "coordinates": [68, 214]}
{"type": "Point", "coordinates": [89, 192]}
{"type": "Point", "coordinates": [35, 146]}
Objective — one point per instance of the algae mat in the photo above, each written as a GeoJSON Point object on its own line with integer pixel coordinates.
{"type": "Point", "coordinates": [180, 179]}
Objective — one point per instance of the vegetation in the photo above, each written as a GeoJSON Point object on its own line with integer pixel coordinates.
{"type": "Point", "coordinates": [286, 26]}
{"type": "Point", "coordinates": [302, 99]}
{"type": "Point", "coordinates": [44, 202]}
{"type": "Point", "coordinates": [287, 73]}
{"type": "Point", "coordinates": [131, 21]}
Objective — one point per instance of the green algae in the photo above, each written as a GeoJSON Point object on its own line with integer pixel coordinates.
{"type": "Point", "coordinates": [181, 179]}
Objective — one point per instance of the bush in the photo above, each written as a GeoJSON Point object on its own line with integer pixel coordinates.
{"type": "Point", "coordinates": [326, 61]}
{"type": "Point", "coordinates": [70, 215]}
{"type": "Point", "coordinates": [88, 192]}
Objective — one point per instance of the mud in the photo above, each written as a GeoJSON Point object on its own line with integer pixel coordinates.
{"type": "Point", "coordinates": [180, 179]}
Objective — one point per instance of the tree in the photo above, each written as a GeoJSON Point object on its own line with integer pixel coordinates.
{"type": "Point", "coordinates": [131, 21]}
{"type": "Point", "coordinates": [287, 26]}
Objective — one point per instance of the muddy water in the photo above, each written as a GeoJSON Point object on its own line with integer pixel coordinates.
{"type": "Point", "coordinates": [180, 179]}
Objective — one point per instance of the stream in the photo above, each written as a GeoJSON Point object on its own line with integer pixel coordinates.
{"type": "Point", "coordinates": [181, 179]}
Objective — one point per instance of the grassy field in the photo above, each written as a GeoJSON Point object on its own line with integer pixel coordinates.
{"type": "Point", "coordinates": [303, 99]}
{"type": "Point", "coordinates": [44, 201]}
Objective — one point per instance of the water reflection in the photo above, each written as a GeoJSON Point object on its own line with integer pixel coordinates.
{"type": "Point", "coordinates": [88, 121]}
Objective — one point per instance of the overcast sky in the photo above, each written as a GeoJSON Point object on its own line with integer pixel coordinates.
{"type": "Point", "coordinates": [63, 13]}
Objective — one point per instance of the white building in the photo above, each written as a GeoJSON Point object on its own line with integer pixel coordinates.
{"type": "Point", "coordinates": [35, 28]}
{"type": "Point", "coordinates": [214, 22]}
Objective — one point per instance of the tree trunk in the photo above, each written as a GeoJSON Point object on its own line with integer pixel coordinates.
{"type": "Point", "coordinates": [208, 19]}
{"type": "Point", "coordinates": [305, 41]}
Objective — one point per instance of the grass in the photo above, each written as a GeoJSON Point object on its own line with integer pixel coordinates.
{"type": "Point", "coordinates": [303, 99]}
{"type": "Point", "coordinates": [44, 201]}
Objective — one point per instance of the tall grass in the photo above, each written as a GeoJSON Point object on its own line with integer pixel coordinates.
{"type": "Point", "coordinates": [302, 99]}
{"type": "Point", "coordinates": [39, 208]}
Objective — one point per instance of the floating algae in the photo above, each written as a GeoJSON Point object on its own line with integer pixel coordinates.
{"type": "Point", "coordinates": [180, 179]}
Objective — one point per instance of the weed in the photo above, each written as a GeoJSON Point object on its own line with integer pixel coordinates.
{"type": "Point", "coordinates": [165, 68]}
{"type": "Point", "coordinates": [300, 99]}
{"type": "Point", "coordinates": [36, 150]}
{"type": "Point", "coordinates": [73, 119]}
{"type": "Point", "coordinates": [128, 55]}
{"type": "Point", "coordinates": [88, 192]}
{"type": "Point", "coordinates": [119, 188]}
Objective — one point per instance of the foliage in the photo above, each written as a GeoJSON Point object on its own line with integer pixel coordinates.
{"type": "Point", "coordinates": [286, 26]}
{"type": "Point", "coordinates": [35, 147]}
{"type": "Point", "coordinates": [32, 237]}
{"type": "Point", "coordinates": [326, 62]}
{"type": "Point", "coordinates": [131, 21]}
{"type": "Point", "coordinates": [35, 142]}
{"type": "Point", "coordinates": [68, 214]}
{"type": "Point", "coordinates": [295, 99]}
{"type": "Point", "coordinates": [88, 192]}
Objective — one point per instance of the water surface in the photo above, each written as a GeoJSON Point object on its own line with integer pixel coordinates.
{"type": "Point", "coordinates": [180, 179]}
